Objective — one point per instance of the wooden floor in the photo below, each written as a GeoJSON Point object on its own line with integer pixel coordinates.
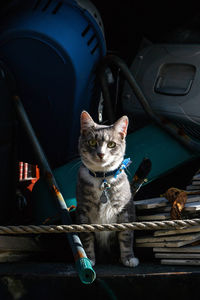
{"type": "Point", "coordinates": [68, 270]}
{"type": "Point", "coordinates": [34, 280]}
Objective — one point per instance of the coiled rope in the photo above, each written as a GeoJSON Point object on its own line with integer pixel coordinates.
{"type": "Point", "coordinates": [155, 225]}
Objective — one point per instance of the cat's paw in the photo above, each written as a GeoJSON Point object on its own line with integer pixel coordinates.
{"type": "Point", "coordinates": [130, 261]}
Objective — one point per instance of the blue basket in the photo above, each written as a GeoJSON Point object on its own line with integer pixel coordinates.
{"type": "Point", "coordinates": [52, 49]}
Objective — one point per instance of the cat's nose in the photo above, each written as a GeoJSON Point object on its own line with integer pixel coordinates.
{"type": "Point", "coordinates": [100, 155]}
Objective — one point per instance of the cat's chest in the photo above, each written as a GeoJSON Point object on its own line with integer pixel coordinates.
{"type": "Point", "coordinates": [99, 185]}
{"type": "Point", "coordinates": [107, 214]}
{"type": "Point", "coordinates": [105, 208]}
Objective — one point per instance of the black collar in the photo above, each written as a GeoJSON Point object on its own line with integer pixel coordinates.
{"type": "Point", "coordinates": [125, 163]}
{"type": "Point", "coordinates": [103, 174]}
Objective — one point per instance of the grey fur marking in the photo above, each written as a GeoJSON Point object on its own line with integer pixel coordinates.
{"type": "Point", "coordinates": [95, 139]}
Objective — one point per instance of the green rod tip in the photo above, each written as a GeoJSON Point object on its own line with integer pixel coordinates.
{"type": "Point", "coordinates": [85, 271]}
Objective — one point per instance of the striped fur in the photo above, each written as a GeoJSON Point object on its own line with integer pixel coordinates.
{"type": "Point", "coordinates": [119, 207]}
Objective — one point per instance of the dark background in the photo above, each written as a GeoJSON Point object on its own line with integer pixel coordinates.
{"type": "Point", "coordinates": [128, 22]}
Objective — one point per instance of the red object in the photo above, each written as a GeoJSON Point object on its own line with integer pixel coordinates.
{"type": "Point", "coordinates": [20, 171]}
{"type": "Point", "coordinates": [28, 173]}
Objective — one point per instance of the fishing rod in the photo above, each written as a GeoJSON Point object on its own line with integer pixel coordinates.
{"type": "Point", "coordinates": [83, 265]}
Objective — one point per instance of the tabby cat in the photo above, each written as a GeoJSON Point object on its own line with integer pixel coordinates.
{"type": "Point", "coordinates": [103, 190]}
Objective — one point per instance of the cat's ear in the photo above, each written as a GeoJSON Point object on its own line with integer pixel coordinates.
{"type": "Point", "coordinates": [86, 121]}
{"type": "Point", "coordinates": [121, 126]}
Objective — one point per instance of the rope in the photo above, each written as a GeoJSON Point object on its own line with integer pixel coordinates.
{"type": "Point", "coordinates": [155, 225]}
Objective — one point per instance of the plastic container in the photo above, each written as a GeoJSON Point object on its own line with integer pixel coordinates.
{"type": "Point", "coordinates": [52, 49]}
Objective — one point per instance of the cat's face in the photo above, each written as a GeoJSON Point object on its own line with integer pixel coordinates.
{"type": "Point", "coordinates": [102, 147]}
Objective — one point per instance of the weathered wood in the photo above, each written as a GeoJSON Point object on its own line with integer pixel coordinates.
{"type": "Point", "coordinates": [185, 262]}
{"type": "Point", "coordinates": [177, 255]}
{"type": "Point", "coordinates": [171, 244]}
{"type": "Point", "coordinates": [192, 207]}
{"type": "Point", "coordinates": [193, 188]}
{"type": "Point", "coordinates": [19, 243]}
{"type": "Point", "coordinates": [160, 202]}
{"type": "Point", "coordinates": [14, 256]}
{"type": "Point", "coordinates": [186, 249]}
{"type": "Point", "coordinates": [176, 231]}
{"type": "Point", "coordinates": [151, 203]}
{"type": "Point", "coordinates": [196, 182]}
{"type": "Point", "coordinates": [196, 177]}
{"type": "Point", "coordinates": [154, 217]}
{"type": "Point", "coordinates": [183, 237]}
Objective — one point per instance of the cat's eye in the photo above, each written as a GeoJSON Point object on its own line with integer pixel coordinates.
{"type": "Point", "coordinates": [92, 142]}
{"type": "Point", "coordinates": [111, 144]}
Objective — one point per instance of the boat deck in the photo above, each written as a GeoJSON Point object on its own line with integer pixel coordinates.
{"type": "Point", "coordinates": [34, 280]}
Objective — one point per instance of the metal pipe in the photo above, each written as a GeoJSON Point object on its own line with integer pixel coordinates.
{"type": "Point", "coordinates": [83, 264]}
{"type": "Point", "coordinates": [106, 94]}
{"type": "Point", "coordinates": [164, 123]}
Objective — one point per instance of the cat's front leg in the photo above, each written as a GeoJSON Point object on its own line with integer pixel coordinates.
{"type": "Point", "coordinates": [126, 237]}
{"type": "Point", "coordinates": [126, 249]}
{"type": "Point", "coordinates": [87, 238]}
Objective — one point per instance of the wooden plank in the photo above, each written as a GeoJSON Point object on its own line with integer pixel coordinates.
{"type": "Point", "coordinates": [194, 198]}
{"type": "Point", "coordinates": [177, 255]}
{"type": "Point", "coordinates": [177, 231]}
{"type": "Point", "coordinates": [196, 177]}
{"type": "Point", "coordinates": [185, 249]}
{"type": "Point", "coordinates": [19, 243]}
{"type": "Point", "coordinates": [182, 262]}
{"type": "Point", "coordinates": [164, 209]}
{"type": "Point", "coordinates": [160, 202]}
{"type": "Point", "coordinates": [192, 207]}
{"type": "Point", "coordinates": [151, 203]}
{"type": "Point", "coordinates": [171, 244]}
{"type": "Point", "coordinates": [183, 237]}
{"type": "Point", "coordinates": [155, 217]}
{"type": "Point", "coordinates": [196, 182]}
{"type": "Point", "coordinates": [189, 207]}
{"type": "Point", "coordinates": [14, 256]}
{"type": "Point", "coordinates": [193, 188]}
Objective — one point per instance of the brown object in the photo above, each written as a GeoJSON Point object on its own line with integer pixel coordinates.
{"type": "Point", "coordinates": [177, 198]}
